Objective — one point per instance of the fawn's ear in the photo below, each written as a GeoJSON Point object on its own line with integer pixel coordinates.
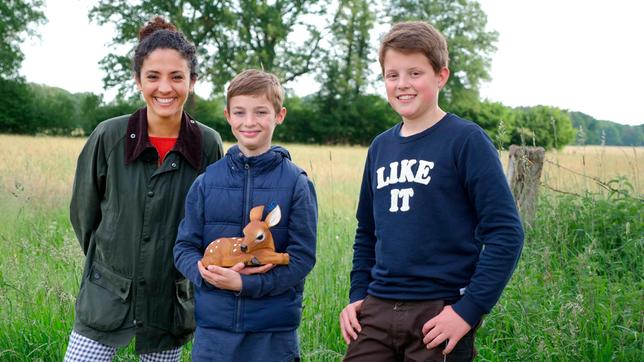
{"type": "Point", "coordinates": [274, 216]}
{"type": "Point", "coordinates": [256, 213]}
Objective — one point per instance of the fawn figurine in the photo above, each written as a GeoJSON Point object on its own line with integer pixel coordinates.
{"type": "Point", "coordinates": [255, 248]}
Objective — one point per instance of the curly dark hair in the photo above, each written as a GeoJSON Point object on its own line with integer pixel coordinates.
{"type": "Point", "coordinates": [160, 34]}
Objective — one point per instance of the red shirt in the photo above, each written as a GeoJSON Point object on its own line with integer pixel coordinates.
{"type": "Point", "coordinates": [163, 145]}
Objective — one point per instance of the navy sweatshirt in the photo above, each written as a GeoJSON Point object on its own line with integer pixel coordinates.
{"type": "Point", "coordinates": [436, 219]}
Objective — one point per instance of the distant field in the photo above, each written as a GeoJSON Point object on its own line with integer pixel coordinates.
{"type": "Point", "coordinates": [577, 294]}
{"type": "Point", "coordinates": [44, 167]}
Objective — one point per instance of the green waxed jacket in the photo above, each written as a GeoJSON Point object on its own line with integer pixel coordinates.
{"type": "Point", "coordinates": [125, 210]}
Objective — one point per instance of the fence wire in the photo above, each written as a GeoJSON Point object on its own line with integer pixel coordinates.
{"type": "Point", "coordinates": [601, 183]}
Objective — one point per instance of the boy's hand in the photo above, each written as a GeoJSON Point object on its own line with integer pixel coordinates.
{"type": "Point", "coordinates": [229, 278]}
{"type": "Point", "coordinates": [222, 278]}
{"type": "Point", "coordinates": [249, 270]}
{"type": "Point", "coordinates": [447, 325]}
{"type": "Point", "coordinates": [349, 321]}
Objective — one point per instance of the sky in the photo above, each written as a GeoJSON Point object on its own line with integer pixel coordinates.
{"type": "Point", "coordinates": [578, 55]}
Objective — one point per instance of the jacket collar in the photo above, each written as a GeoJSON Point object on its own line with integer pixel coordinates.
{"type": "Point", "coordinates": [189, 143]}
{"type": "Point", "coordinates": [266, 160]}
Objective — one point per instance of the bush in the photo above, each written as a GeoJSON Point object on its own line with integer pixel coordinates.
{"type": "Point", "coordinates": [548, 127]}
{"type": "Point", "coordinates": [91, 114]}
{"type": "Point", "coordinates": [349, 120]}
{"type": "Point", "coordinates": [298, 124]}
{"type": "Point", "coordinates": [497, 120]}
{"type": "Point", "coordinates": [211, 113]}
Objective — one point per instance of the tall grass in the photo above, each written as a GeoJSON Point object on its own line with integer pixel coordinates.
{"type": "Point", "coordinates": [577, 293]}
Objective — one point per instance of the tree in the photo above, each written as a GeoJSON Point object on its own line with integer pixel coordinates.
{"type": "Point", "coordinates": [347, 62]}
{"type": "Point", "coordinates": [16, 20]}
{"type": "Point", "coordinates": [34, 108]}
{"type": "Point", "coordinates": [544, 126]}
{"type": "Point", "coordinates": [54, 110]}
{"type": "Point", "coordinates": [587, 128]}
{"type": "Point", "coordinates": [15, 106]}
{"type": "Point", "coordinates": [598, 132]}
{"type": "Point", "coordinates": [632, 135]}
{"type": "Point", "coordinates": [470, 45]}
{"type": "Point", "coordinates": [230, 35]}
{"type": "Point", "coordinates": [344, 77]}
{"type": "Point", "coordinates": [92, 110]}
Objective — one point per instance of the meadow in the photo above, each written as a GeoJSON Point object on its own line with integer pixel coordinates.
{"type": "Point", "coordinates": [576, 295]}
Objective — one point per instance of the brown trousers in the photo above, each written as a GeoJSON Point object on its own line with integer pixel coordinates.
{"type": "Point", "coordinates": [392, 331]}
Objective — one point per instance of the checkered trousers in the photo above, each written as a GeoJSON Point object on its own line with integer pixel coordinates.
{"type": "Point", "coordinates": [83, 349]}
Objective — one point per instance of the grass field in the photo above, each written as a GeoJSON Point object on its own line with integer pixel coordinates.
{"type": "Point", "coordinates": [577, 293]}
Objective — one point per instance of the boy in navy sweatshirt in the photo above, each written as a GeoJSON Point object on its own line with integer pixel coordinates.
{"type": "Point", "coordinates": [249, 313]}
{"type": "Point", "coordinates": [438, 232]}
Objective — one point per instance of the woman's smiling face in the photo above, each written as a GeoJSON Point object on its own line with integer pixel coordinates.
{"type": "Point", "coordinates": [165, 84]}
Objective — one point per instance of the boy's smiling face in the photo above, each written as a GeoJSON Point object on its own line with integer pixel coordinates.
{"type": "Point", "coordinates": [253, 119]}
{"type": "Point", "coordinates": [412, 85]}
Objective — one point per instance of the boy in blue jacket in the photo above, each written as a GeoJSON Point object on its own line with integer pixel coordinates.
{"type": "Point", "coordinates": [249, 313]}
{"type": "Point", "coordinates": [438, 232]}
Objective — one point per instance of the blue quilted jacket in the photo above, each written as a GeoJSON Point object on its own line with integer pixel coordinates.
{"type": "Point", "coordinates": [218, 205]}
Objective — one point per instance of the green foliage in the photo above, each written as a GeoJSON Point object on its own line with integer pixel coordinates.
{"type": "Point", "coordinates": [297, 126]}
{"type": "Point", "coordinates": [544, 126]}
{"type": "Point", "coordinates": [17, 17]}
{"type": "Point", "coordinates": [614, 225]}
{"type": "Point", "coordinates": [54, 110]}
{"type": "Point", "coordinates": [591, 131]}
{"type": "Point", "coordinates": [346, 64]}
{"type": "Point", "coordinates": [230, 35]}
{"type": "Point", "coordinates": [355, 122]}
{"type": "Point", "coordinates": [496, 119]}
{"type": "Point", "coordinates": [15, 107]}
{"type": "Point", "coordinates": [37, 313]}
{"type": "Point", "coordinates": [351, 121]}
{"type": "Point", "coordinates": [344, 114]}
{"type": "Point", "coordinates": [576, 295]}
{"type": "Point", "coordinates": [34, 108]}
{"type": "Point", "coordinates": [91, 117]}
{"type": "Point", "coordinates": [211, 113]}
{"type": "Point", "coordinates": [463, 23]}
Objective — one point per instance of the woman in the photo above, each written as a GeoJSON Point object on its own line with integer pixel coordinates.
{"type": "Point", "coordinates": [127, 201]}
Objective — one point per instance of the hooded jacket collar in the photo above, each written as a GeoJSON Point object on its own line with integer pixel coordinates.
{"type": "Point", "coordinates": [266, 160]}
{"type": "Point", "coordinates": [189, 143]}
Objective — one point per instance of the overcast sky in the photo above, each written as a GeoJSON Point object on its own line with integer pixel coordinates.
{"type": "Point", "coordinates": [579, 55]}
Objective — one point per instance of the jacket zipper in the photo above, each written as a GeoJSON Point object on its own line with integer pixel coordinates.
{"type": "Point", "coordinates": [247, 195]}
{"type": "Point", "coordinates": [245, 221]}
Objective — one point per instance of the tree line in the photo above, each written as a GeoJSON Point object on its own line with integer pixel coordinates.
{"type": "Point", "coordinates": [591, 131]}
{"type": "Point", "coordinates": [333, 41]}
{"type": "Point", "coordinates": [37, 109]}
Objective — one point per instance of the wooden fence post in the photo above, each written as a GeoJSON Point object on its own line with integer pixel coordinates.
{"type": "Point", "coordinates": [524, 173]}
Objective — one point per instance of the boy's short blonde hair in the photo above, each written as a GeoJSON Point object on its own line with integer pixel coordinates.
{"type": "Point", "coordinates": [416, 37]}
{"type": "Point", "coordinates": [256, 82]}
